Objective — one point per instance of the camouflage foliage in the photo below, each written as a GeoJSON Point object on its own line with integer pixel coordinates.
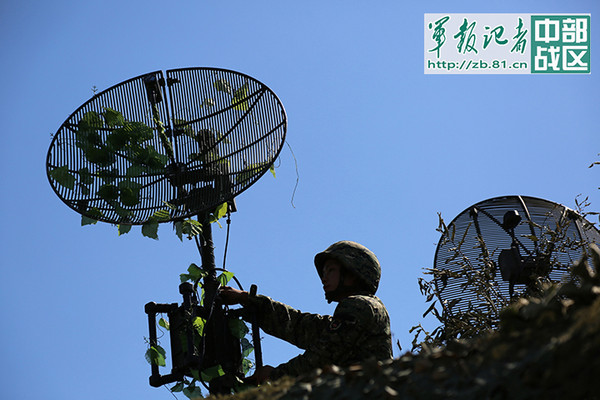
{"type": "Point", "coordinates": [546, 348]}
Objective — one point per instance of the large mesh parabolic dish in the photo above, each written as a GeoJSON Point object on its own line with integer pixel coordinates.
{"type": "Point", "coordinates": [185, 144]}
{"type": "Point", "coordinates": [467, 259]}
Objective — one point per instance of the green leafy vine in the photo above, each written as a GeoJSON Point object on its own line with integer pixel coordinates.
{"type": "Point", "coordinates": [103, 138]}
{"type": "Point", "coordinates": [107, 136]}
{"type": "Point", "coordinates": [156, 355]}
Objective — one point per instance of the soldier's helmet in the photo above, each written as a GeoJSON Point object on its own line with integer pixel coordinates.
{"type": "Point", "coordinates": [354, 257]}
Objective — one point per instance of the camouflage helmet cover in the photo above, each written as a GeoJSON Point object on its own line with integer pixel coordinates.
{"type": "Point", "coordinates": [354, 257]}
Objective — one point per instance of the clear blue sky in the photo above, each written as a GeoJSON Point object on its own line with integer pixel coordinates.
{"type": "Point", "coordinates": [381, 149]}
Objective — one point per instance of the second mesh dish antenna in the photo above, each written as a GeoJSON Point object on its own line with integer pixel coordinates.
{"type": "Point", "coordinates": [499, 248]}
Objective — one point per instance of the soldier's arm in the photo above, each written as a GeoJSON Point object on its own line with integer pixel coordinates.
{"type": "Point", "coordinates": [339, 343]}
{"type": "Point", "coordinates": [286, 323]}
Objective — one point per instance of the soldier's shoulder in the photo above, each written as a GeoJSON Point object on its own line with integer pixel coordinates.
{"type": "Point", "coordinates": [360, 304]}
{"type": "Point", "coordinates": [363, 300]}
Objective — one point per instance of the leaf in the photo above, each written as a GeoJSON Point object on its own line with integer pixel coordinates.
{"type": "Point", "coordinates": [241, 95]}
{"type": "Point", "coordinates": [149, 354]}
{"type": "Point", "coordinates": [202, 296]}
{"type": "Point", "coordinates": [129, 197]}
{"type": "Point", "coordinates": [208, 102]}
{"type": "Point", "coordinates": [246, 365]}
{"type": "Point", "coordinates": [171, 206]}
{"type": "Point", "coordinates": [161, 215]}
{"type": "Point", "coordinates": [189, 393]}
{"type": "Point", "coordinates": [222, 86]}
{"type": "Point", "coordinates": [164, 323]}
{"type": "Point", "coordinates": [133, 133]}
{"type": "Point", "coordinates": [122, 212]}
{"type": "Point", "coordinates": [155, 159]}
{"type": "Point", "coordinates": [238, 328]}
{"type": "Point", "coordinates": [192, 391]}
{"type": "Point", "coordinates": [140, 155]}
{"type": "Point", "coordinates": [91, 119]}
{"type": "Point", "coordinates": [92, 217]}
{"type": "Point", "coordinates": [118, 139]}
{"type": "Point", "coordinates": [123, 229]}
{"type": "Point", "coordinates": [108, 192]}
{"type": "Point", "coordinates": [156, 355]}
{"type": "Point", "coordinates": [85, 177]}
{"type": "Point", "coordinates": [178, 228]}
{"type": "Point", "coordinates": [272, 169]}
{"type": "Point", "coordinates": [219, 213]}
{"type": "Point", "coordinates": [113, 118]}
{"type": "Point", "coordinates": [108, 175]}
{"type": "Point", "coordinates": [87, 130]}
{"type": "Point", "coordinates": [86, 139]}
{"type": "Point", "coordinates": [85, 220]}
{"type": "Point", "coordinates": [191, 228]}
{"type": "Point", "coordinates": [63, 177]}
{"type": "Point", "coordinates": [177, 388]}
{"type": "Point", "coordinates": [136, 170]}
{"type": "Point", "coordinates": [194, 274]}
{"type": "Point", "coordinates": [138, 131]}
{"type": "Point", "coordinates": [198, 324]}
{"type": "Point", "coordinates": [211, 373]}
{"type": "Point", "coordinates": [101, 155]}
{"type": "Point", "coordinates": [150, 229]}
{"type": "Point", "coordinates": [95, 213]}
{"type": "Point", "coordinates": [247, 347]}
{"type": "Point", "coordinates": [224, 277]}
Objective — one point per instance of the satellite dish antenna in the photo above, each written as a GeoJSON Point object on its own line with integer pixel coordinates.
{"type": "Point", "coordinates": [498, 248]}
{"type": "Point", "coordinates": [194, 141]}
{"type": "Point", "coordinates": [165, 147]}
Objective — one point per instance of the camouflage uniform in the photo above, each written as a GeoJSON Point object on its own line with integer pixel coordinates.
{"type": "Point", "coordinates": [358, 330]}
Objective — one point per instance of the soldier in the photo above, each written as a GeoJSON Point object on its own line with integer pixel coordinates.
{"type": "Point", "coordinates": [358, 330]}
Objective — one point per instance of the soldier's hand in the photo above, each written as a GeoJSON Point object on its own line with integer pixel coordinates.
{"type": "Point", "coordinates": [231, 296]}
{"type": "Point", "coordinates": [260, 375]}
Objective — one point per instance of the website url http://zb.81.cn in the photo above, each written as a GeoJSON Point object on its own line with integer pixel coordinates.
{"type": "Point", "coordinates": [466, 65]}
